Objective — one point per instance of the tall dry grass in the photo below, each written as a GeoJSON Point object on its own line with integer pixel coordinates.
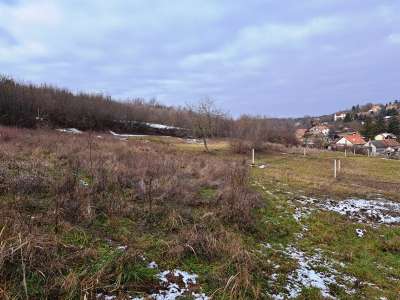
{"type": "Point", "coordinates": [50, 182]}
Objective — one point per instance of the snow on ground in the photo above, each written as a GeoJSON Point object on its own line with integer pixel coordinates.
{"type": "Point", "coordinates": [379, 211]}
{"type": "Point", "coordinates": [70, 130]}
{"type": "Point", "coordinates": [170, 279]}
{"type": "Point", "coordinates": [83, 182]}
{"type": "Point", "coordinates": [360, 232]}
{"type": "Point", "coordinates": [361, 210]}
{"type": "Point", "coordinates": [309, 274]}
{"type": "Point", "coordinates": [152, 265]}
{"type": "Point", "coordinates": [193, 141]}
{"type": "Point", "coordinates": [174, 284]}
{"type": "Point", "coordinates": [161, 126]}
{"type": "Point", "coordinates": [126, 135]}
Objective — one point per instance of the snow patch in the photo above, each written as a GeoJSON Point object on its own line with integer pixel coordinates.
{"type": "Point", "coordinates": [83, 182]}
{"type": "Point", "coordinates": [152, 265]}
{"type": "Point", "coordinates": [174, 284]}
{"type": "Point", "coordinates": [161, 126]}
{"type": "Point", "coordinates": [366, 211]}
{"type": "Point", "coordinates": [193, 141]}
{"type": "Point", "coordinates": [70, 130]}
{"type": "Point", "coordinates": [126, 135]}
{"type": "Point", "coordinates": [307, 275]}
{"type": "Point", "coordinates": [378, 211]}
{"type": "Point", "coordinates": [360, 232]}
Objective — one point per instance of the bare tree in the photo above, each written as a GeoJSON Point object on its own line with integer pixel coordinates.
{"type": "Point", "coordinates": [205, 117]}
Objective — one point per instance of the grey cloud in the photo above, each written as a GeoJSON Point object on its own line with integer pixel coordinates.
{"type": "Point", "coordinates": [262, 57]}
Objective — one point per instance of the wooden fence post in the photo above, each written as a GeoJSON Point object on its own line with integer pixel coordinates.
{"type": "Point", "coordinates": [252, 157]}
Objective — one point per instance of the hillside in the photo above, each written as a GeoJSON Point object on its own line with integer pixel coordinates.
{"type": "Point", "coordinates": [370, 120]}
{"type": "Point", "coordinates": [42, 106]}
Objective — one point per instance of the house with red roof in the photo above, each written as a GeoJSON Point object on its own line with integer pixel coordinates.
{"type": "Point", "coordinates": [351, 140]}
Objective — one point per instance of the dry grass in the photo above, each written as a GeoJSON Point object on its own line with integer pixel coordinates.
{"type": "Point", "coordinates": [60, 202]}
{"type": "Point", "coordinates": [360, 176]}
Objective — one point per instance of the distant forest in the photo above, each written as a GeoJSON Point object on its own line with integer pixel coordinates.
{"type": "Point", "coordinates": [29, 105]}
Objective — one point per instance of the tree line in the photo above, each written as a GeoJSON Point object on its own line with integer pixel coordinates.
{"type": "Point", "coordinates": [29, 105]}
{"type": "Point", "coordinates": [373, 127]}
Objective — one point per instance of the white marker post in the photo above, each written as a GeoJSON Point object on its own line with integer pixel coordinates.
{"type": "Point", "coordinates": [304, 151]}
{"type": "Point", "coordinates": [334, 169]}
{"type": "Point", "coordinates": [345, 152]}
{"type": "Point", "coordinates": [339, 166]}
{"type": "Point", "coordinates": [252, 157]}
{"type": "Point", "coordinates": [354, 151]}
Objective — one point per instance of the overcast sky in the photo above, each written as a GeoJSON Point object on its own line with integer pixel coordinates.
{"type": "Point", "coordinates": [268, 57]}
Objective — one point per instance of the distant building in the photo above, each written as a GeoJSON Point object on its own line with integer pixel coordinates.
{"type": "Point", "coordinates": [382, 147]}
{"type": "Point", "coordinates": [385, 136]}
{"type": "Point", "coordinates": [351, 140]}
{"type": "Point", "coordinates": [339, 116]}
{"type": "Point", "coordinates": [391, 106]}
{"type": "Point", "coordinates": [375, 109]}
{"type": "Point", "coordinates": [376, 147]}
{"type": "Point", "coordinates": [392, 144]}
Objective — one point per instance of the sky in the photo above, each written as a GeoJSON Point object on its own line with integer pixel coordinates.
{"type": "Point", "coordinates": [284, 58]}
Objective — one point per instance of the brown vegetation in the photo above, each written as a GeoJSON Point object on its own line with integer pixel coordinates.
{"type": "Point", "coordinates": [56, 194]}
{"type": "Point", "coordinates": [31, 106]}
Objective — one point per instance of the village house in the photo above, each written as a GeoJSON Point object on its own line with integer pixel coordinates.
{"type": "Point", "coordinates": [385, 136]}
{"type": "Point", "coordinates": [394, 106]}
{"type": "Point", "coordinates": [382, 147]}
{"type": "Point", "coordinates": [375, 109]}
{"type": "Point", "coordinates": [376, 147]}
{"type": "Point", "coordinates": [351, 140]}
{"type": "Point", "coordinates": [339, 116]}
{"type": "Point", "coordinates": [393, 144]}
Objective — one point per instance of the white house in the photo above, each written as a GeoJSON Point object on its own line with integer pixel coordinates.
{"type": "Point", "coordinates": [385, 136]}
{"type": "Point", "coordinates": [351, 140]}
{"type": "Point", "coordinates": [339, 116]}
{"type": "Point", "coordinates": [375, 109]}
{"type": "Point", "coordinates": [383, 146]}
{"type": "Point", "coordinates": [376, 147]}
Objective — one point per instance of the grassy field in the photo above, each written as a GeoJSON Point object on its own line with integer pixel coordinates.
{"type": "Point", "coordinates": [360, 175]}
{"type": "Point", "coordinates": [86, 218]}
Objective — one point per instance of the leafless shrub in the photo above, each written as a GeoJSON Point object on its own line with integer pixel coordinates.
{"type": "Point", "coordinates": [237, 200]}
{"type": "Point", "coordinates": [240, 146]}
{"type": "Point", "coordinates": [151, 184]}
